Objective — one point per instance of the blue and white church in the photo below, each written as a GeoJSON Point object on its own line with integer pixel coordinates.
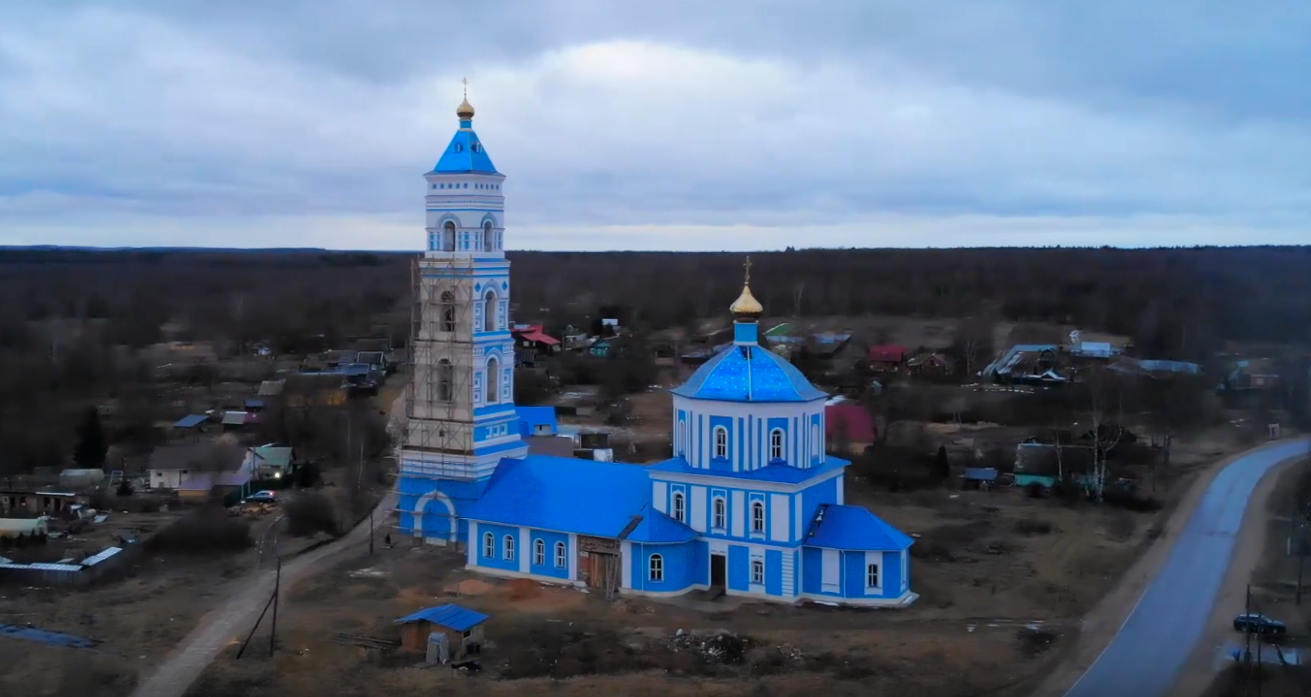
{"type": "Point", "coordinates": [750, 504]}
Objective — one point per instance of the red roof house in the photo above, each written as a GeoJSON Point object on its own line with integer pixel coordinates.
{"type": "Point", "coordinates": [849, 423]}
{"type": "Point", "coordinates": [535, 334]}
{"type": "Point", "coordinates": [887, 355]}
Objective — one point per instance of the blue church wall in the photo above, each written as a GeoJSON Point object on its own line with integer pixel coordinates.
{"type": "Point", "coordinates": [739, 559]}
{"type": "Point", "coordinates": [437, 519]}
{"type": "Point", "coordinates": [684, 565]}
{"type": "Point", "coordinates": [497, 559]}
{"type": "Point", "coordinates": [699, 510]}
{"type": "Point", "coordinates": [774, 572]}
{"type": "Point", "coordinates": [821, 493]}
{"type": "Point", "coordinates": [856, 567]}
{"type": "Point", "coordinates": [815, 438]}
{"type": "Point", "coordinates": [812, 582]}
{"type": "Point", "coordinates": [548, 566]}
{"type": "Point", "coordinates": [775, 424]}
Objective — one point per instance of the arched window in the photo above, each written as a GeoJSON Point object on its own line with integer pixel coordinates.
{"type": "Point", "coordinates": [719, 521]}
{"type": "Point", "coordinates": [757, 516]}
{"type": "Point", "coordinates": [679, 509]}
{"type": "Point", "coordinates": [489, 237]}
{"type": "Point", "coordinates": [776, 444]}
{"type": "Point", "coordinates": [682, 437]}
{"type": "Point", "coordinates": [561, 556]}
{"type": "Point", "coordinates": [489, 312]}
{"type": "Point", "coordinates": [448, 311]}
{"type": "Point", "coordinates": [814, 440]}
{"type": "Point", "coordinates": [721, 442]}
{"type": "Point", "coordinates": [445, 380]}
{"type": "Point", "coordinates": [508, 548]}
{"type": "Point", "coordinates": [489, 545]}
{"type": "Point", "coordinates": [493, 380]}
{"type": "Point", "coordinates": [657, 568]}
{"type": "Point", "coordinates": [872, 576]}
{"type": "Point", "coordinates": [758, 572]}
{"type": "Point", "coordinates": [539, 552]}
{"type": "Point", "coordinates": [448, 236]}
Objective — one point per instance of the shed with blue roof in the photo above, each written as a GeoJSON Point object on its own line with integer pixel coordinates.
{"type": "Point", "coordinates": [750, 504]}
{"type": "Point", "coordinates": [462, 628]}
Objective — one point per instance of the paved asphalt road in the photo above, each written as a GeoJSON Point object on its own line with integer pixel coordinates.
{"type": "Point", "coordinates": [1152, 647]}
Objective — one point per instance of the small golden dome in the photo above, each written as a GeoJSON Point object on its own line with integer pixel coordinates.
{"type": "Point", "coordinates": [465, 110]}
{"type": "Point", "coordinates": [746, 305]}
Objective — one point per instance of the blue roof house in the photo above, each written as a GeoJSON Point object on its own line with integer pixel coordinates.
{"type": "Point", "coordinates": [750, 504]}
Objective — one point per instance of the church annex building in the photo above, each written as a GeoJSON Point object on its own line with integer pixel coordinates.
{"type": "Point", "coordinates": [751, 502]}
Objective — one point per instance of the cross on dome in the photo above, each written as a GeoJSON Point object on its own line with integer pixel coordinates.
{"type": "Point", "coordinates": [746, 308]}
{"type": "Point", "coordinates": [465, 110]}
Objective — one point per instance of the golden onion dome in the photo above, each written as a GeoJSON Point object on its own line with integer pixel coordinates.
{"type": "Point", "coordinates": [465, 110]}
{"type": "Point", "coordinates": [746, 305]}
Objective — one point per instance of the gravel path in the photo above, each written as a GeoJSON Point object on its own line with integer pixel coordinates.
{"type": "Point", "coordinates": [231, 621]}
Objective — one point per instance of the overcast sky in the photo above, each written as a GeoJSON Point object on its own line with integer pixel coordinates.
{"type": "Point", "coordinates": [660, 124]}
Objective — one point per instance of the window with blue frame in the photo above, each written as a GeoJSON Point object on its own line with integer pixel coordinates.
{"type": "Point", "coordinates": [719, 518]}
{"type": "Point", "coordinates": [872, 576]}
{"type": "Point", "coordinates": [561, 556]}
{"type": "Point", "coordinates": [721, 442]}
{"type": "Point", "coordinates": [757, 572]}
{"type": "Point", "coordinates": [489, 545]}
{"type": "Point", "coordinates": [539, 552]}
{"type": "Point", "coordinates": [776, 445]}
{"type": "Point", "coordinates": [508, 552]}
{"type": "Point", "coordinates": [757, 517]}
{"type": "Point", "coordinates": [679, 507]}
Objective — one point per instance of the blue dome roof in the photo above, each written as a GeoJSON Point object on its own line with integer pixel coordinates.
{"type": "Point", "coordinates": [749, 373]}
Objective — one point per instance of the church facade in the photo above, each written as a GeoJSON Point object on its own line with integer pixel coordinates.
{"type": "Point", "coordinates": [750, 504]}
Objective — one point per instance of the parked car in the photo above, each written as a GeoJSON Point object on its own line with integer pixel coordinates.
{"type": "Point", "coordinates": [265, 496]}
{"type": "Point", "coordinates": [1252, 623]}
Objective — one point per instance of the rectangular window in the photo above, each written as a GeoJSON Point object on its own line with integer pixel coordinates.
{"type": "Point", "coordinates": [872, 576]}
{"type": "Point", "coordinates": [757, 572]}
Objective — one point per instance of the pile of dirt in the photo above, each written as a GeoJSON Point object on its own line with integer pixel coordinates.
{"type": "Point", "coordinates": [471, 586]}
{"type": "Point", "coordinates": [522, 589]}
{"type": "Point", "coordinates": [712, 646]}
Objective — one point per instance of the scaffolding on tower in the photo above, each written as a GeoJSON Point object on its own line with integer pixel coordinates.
{"type": "Point", "coordinates": [438, 435]}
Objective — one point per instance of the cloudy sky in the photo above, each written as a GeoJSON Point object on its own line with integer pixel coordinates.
{"type": "Point", "coordinates": [660, 124]}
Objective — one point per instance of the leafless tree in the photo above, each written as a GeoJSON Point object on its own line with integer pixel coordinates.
{"type": "Point", "coordinates": [798, 290]}
{"type": "Point", "coordinates": [1106, 410]}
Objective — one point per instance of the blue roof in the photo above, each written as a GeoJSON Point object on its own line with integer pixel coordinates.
{"type": "Point", "coordinates": [255, 403]}
{"type": "Point", "coordinates": [783, 474]}
{"type": "Point", "coordinates": [749, 374]}
{"type": "Point", "coordinates": [464, 154]}
{"type": "Point", "coordinates": [536, 416]}
{"type": "Point", "coordinates": [544, 492]}
{"type": "Point", "coordinates": [190, 421]}
{"type": "Point", "coordinates": [855, 528]}
{"type": "Point", "coordinates": [658, 528]}
{"type": "Point", "coordinates": [461, 619]}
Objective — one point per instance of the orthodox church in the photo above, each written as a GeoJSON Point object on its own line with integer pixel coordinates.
{"type": "Point", "coordinates": [750, 504]}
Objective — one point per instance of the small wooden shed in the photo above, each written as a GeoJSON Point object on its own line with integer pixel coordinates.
{"type": "Point", "coordinates": [462, 627]}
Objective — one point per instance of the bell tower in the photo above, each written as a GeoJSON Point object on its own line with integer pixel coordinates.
{"type": "Point", "coordinates": [460, 414]}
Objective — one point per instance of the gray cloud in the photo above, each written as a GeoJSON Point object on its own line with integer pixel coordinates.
{"type": "Point", "coordinates": [671, 115]}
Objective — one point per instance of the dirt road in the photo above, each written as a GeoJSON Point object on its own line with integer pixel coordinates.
{"type": "Point", "coordinates": [232, 620]}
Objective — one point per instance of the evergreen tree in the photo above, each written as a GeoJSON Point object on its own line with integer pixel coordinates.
{"type": "Point", "coordinates": [941, 465]}
{"type": "Point", "coordinates": [91, 445]}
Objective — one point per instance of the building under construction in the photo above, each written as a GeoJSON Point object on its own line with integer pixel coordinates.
{"type": "Point", "coordinates": [460, 418]}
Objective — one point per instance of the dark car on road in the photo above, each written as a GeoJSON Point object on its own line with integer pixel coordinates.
{"type": "Point", "coordinates": [1259, 624]}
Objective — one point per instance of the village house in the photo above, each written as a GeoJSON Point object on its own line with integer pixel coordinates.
{"type": "Point", "coordinates": [194, 470]}
{"type": "Point", "coordinates": [29, 503]}
{"type": "Point", "coordinates": [531, 342]}
{"type": "Point", "coordinates": [930, 364]}
{"type": "Point", "coordinates": [885, 358]}
{"type": "Point", "coordinates": [850, 426]}
{"type": "Point", "coordinates": [272, 461]}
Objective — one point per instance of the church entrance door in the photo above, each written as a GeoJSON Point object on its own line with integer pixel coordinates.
{"type": "Point", "coordinates": [718, 571]}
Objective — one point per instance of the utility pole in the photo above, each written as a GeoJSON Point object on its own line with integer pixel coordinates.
{"type": "Point", "coordinates": [370, 532]}
{"type": "Point", "coordinates": [277, 589]}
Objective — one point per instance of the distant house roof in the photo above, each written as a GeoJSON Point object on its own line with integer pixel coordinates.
{"type": "Point", "coordinates": [853, 527]}
{"type": "Point", "coordinates": [234, 418]}
{"type": "Point", "coordinates": [928, 359]}
{"type": "Point", "coordinates": [1013, 355]}
{"type": "Point", "coordinates": [779, 330]}
{"type": "Point", "coordinates": [198, 456]}
{"type": "Point", "coordinates": [531, 417]}
{"type": "Point", "coordinates": [534, 332]}
{"type": "Point", "coordinates": [190, 421]}
{"type": "Point", "coordinates": [273, 455]}
{"type": "Point", "coordinates": [556, 446]}
{"type": "Point", "coordinates": [1094, 349]}
{"type": "Point", "coordinates": [461, 619]}
{"type": "Point", "coordinates": [851, 422]}
{"type": "Point", "coordinates": [887, 353]}
{"type": "Point", "coordinates": [204, 481]}
{"type": "Point", "coordinates": [271, 388]}
{"type": "Point", "coordinates": [980, 474]}
{"type": "Point", "coordinates": [254, 404]}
